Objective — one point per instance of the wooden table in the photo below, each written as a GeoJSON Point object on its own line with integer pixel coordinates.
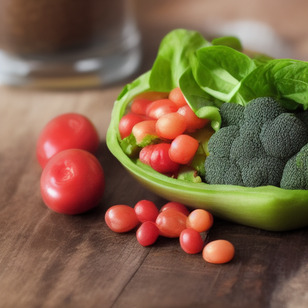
{"type": "Point", "coordinates": [53, 260]}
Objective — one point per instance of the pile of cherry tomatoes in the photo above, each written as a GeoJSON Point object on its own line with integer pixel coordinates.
{"type": "Point", "coordinates": [169, 120]}
{"type": "Point", "coordinates": [173, 220]}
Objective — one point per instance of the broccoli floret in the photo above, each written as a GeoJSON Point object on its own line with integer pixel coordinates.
{"type": "Point", "coordinates": [231, 114]}
{"type": "Point", "coordinates": [252, 147]}
{"type": "Point", "coordinates": [295, 173]}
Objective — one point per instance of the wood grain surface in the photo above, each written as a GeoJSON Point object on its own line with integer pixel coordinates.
{"type": "Point", "coordinates": [53, 260]}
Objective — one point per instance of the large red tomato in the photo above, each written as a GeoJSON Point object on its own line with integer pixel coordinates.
{"type": "Point", "coordinates": [72, 182]}
{"type": "Point", "coordinates": [66, 131]}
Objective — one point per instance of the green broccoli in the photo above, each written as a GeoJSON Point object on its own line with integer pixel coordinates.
{"type": "Point", "coordinates": [254, 144]}
{"type": "Point", "coordinates": [295, 173]}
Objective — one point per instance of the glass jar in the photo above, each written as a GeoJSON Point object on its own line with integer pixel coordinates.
{"type": "Point", "coordinates": [67, 43]}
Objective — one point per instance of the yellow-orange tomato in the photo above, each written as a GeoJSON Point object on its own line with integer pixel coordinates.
{"type": "Point", "coordinates": [200, 220]}
{"type": "Point", "coordinates": [218, 252]}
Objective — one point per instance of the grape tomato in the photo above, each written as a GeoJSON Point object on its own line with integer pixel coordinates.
{"type": "Point", "coordinates": [147, 234]}
{"type": "Point", "coordinates": [171, 223]}
{"type": "Point", "coordinates": [218, 252]}
{"type": "Point", "coordinates": [160, 107]}
{"type": "Point", "coordinates": [146, 210]}
{"type": "Point", "coordinates": [121, 218]}
{"type": "Point", "coordinates": [191, 241]}
{"type": "Point", "coordinates": [127, 123]}
{"type": "Point", "coordinates": [177, 97]}
{"type": "Point", "coordinates": [177, 206]}
{"type": "Point", "coordinates": [200, 220]}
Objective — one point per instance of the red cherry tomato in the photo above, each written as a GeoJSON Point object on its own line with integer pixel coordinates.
{"type": "Point", "coordinates": [121, 218]}
{"type": "Point", "coordinates": [170, 125]}
{"type": "Point", "coordinates": [177, 97]}
{"type": "Point", "coordinates": [160, 107]}
{"type": "Point", "coordinates": [177, 206]}
{"type": "Point", "coordinates": [143, 129]}
{"type": "Point", "coordinates": [191, 241]}
{"type": "Point", "coordinates": [192, 121]}
{"type": "Point", "coordinates": [72, 182]}
{"type": "Point", "coordinates": [183, 148]}
{"type": "Point", "coordinates": [147, 233]}
{"type": "Point", "coordinates": [160, 160]}
{"type": "Point", "coordinates": [127, 123]}
{"type": "Point", "coordinates": [140, 105]}
{"type": "Point", "coordinates": [67, 131]}
{"type": "Point", "coordinates": [171, 223]}
{"type": "Point", "coordinates": [146, 210]}
{"type": "Point", "coordinates": [218, 252]}
{"type": "Point", "coordinates": [145, 154]}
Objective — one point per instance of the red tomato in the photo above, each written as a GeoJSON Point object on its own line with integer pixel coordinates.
{"type": "Point", "coordinates": [121, 218]}
{"type": "Point", "coordinates": [171, 223]}
{"type": "Point", "coordinates": [191, 241]}
{"type": "Point", "coordinates": [145, 154]}
{"type": "Point", "coordinates": [177, 206]}
{"type": "Point", "coordinates": [72, 182]}
{"type": "Point", "coordinates": [170, 125]}
{"type": "Point", "coordinates": [177, 97]}
{"type": "Point", "coordinates": [147, 233]}
{"type": "Point", "coordinates": [67, 131]}
{"type": "Point", "coordinates": [127, 123]}
{"type": "Point", "coordinates": [160, 107]}
{"type": "Point", "coordinates": [218, 252]}
{"type": "Point", "coordinates": [160, 160]}
{"type": "Point", "coordinates": [146, 210]}
{"type": "Point", "coordinates": [192, 121]}
{"type": "Point", "coordinates": [140, 105]}
{"type": "Point", "coordinates": [143, 129]}
{"type": "Point", "coordinates": [183, 149]}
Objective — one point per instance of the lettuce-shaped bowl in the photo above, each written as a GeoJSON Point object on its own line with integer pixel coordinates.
{"type": "Point", "coordinates": [267, 207]}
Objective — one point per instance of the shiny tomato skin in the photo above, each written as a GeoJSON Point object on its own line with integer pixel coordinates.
{"type": "Point", "coordinates": [146, 210]}
{"type": "Point", "coordinates": [171, 223]}
{"type": "Point", "coordinates": [191, 241]}
{"type": "Point", "coordinates": [147, 234]}
{"type": "Point", "coordinates": [121, 218]}
{"type": "Point", "coordinates": [66, 131]}
{"type": "Point", "coordinates": [177, 206]}
{"type": "Point", "coordinates": [72, 182]}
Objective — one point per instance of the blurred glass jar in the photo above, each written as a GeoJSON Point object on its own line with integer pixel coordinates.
{"type": "Point", "coordinates": [67, 43]}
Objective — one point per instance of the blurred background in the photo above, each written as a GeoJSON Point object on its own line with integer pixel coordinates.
{"type": "Point", "coordinates": [276, 27]}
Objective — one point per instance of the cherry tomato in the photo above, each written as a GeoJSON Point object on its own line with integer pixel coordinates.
{"type": "Point", "coordinates": [146, 210]}
{"type": "Point", "coordinates": [143, 129]}
{"type": "Point", "coordinates": [218, 252]}
{"type": "Point", "coordinates": [171, 223]}
{"type": "Point", "coordinates": [191, 241]}
{"type": "Point", "coordinates": [147, 234]}
{"type": "Point", "coordinates": [145, 154]}
{"type": "Point", "coordinates": [127, 123]}
{"type": "Point", "coordinates": [177, 97]}
{"type": "Point", "coordinates": [192, 121]}
{"type": "Point", "coordinates": [121, 218]}
{"type": "Point", "coordinates": [66, 131]}
{"type": "Point", "coordinates": [177, 206]}
{"type": "Point", "coordinates": [183, 149]}
{"type": "Point", "coordinates": [72, 182]}
{"type": "Point", "coordinates": [140, 105]}
{"type": "Point", "coordinates": [200, 220]}
{"type": "Point", "coordinates": [160, 160]}
{"type": "Point", "coordinates": [160, 107]}
{"type": "Point", "coordinates": [170, 125]}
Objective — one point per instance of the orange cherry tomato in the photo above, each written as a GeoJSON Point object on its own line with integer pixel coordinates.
{"type": "Point", "coordinates": [218, 252]}
{"type": "Point", "coordinates": [200, 220]}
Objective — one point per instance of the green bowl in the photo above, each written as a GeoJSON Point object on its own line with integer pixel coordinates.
{"type": "Point", "coordinates": [267, 207]}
